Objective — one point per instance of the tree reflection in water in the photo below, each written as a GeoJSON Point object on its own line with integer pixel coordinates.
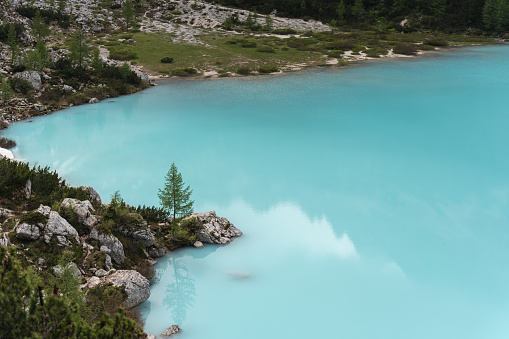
{"type": "Point", "coordinates": [180, 292]}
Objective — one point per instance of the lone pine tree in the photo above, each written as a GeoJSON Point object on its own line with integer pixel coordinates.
{"type": "Point", "coordinates": [174, 197]}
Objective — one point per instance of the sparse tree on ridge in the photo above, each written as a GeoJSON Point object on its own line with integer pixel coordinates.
{"type": "Point", "coordinates": [174, 197]}
{"type": "Point", "coordinates": [128, 12]}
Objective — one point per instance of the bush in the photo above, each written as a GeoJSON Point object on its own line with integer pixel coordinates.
{"type": "Point", "coordinates": [184, 72]}
{"type": "Point", "coordinates": [406, 49]}
{"type": "Point", "coordinates": [7, 143]}
{"type": "Point", "coordinates": [122, 52]}
{"type": "Point", "coordinates": [265, 49]}
{"type": "Point", "coordinates": [437, 42]}
{"type": "Point", "coordinates": [231, 42]}
{"type": "Point", "coordinates": [33, 218]}
{"type": "Point", "coordinates": [268, 69]}
{"type": "Point", "coordinates": [151, 213]}
{"type": "Point", "coordinates": [248, 44]}
{"type": "Point", "coordinates": [167, 60]}
{"type": "Point", "coordinates": [284, 31]}
{"type": "Point", "coordinates": [244, 70]}
{"type": "Point", "coordinates": [20, 85]}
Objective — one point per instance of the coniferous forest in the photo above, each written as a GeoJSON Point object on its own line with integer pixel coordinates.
{"type": "Point", "coordinates": [444, 15]}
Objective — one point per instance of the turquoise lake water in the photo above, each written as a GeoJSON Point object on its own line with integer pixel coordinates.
{"type": "Point", "coordinates": [374, 199]}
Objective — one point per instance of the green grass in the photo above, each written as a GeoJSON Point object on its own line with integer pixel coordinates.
{"type": "Point", "coordinates": [227, 53]}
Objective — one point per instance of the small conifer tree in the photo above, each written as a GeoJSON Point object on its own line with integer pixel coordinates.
{"type": "Point", "coordinates": [174, 197]}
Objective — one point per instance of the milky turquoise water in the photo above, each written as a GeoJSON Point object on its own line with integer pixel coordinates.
{"type": "Point", "coordinates": [374, 199]}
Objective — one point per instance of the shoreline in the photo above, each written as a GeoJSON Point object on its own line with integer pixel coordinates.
{"type": "Point", "coordinates": [335, 64]}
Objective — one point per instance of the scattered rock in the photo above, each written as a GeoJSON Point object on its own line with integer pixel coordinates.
{"type": "Point", "coordinates": [94, 196]}
{"type": "Point", "coordinates": [28, 232]}
{"type": "Point", "coordinates": [157, 252]}
{"type": "Point", "coordinates": [109, 243]}
{"type": "Point", "coordinates": [83, 209]}
{"type": "Point", "coordinates": [94, 282]}
{"type": "Point", "coordinates": [143, 236]}
{"type": "Point", "coordinates": [61, 228]}
{"type": "Point", "coordinates": [198, 244]}
{"type": "Point", "coordinates": [40, 261]}
{"type": "Point", "coordinates": [68, 89]}
{"type": "Point", "coordinates": [93, 101]}
{"type": "Point", "coordinates": [100, 273]}
{"type": "Point", "coordinates": [72, 267]}
{"type": "Point", "coordinates": [45, 210]}
{"type": "Point", "coordinates": [215, 230]}
{"type": "Point", "coordinates": [32, 77]}
{"type": "Point", "coordinates": [4, 239]}
{"type": "Point", "coordinates": [173, 329]}
{"type": "Point", "coordinates": [136, 286]}
{"type": "Point", "coordinates": [27, 190]}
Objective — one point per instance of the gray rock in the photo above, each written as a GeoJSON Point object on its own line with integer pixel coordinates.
{"type": "Point", "coordinates": [6, 213]}
{"type": "Point", "coordinates": [83, 209]}
{"type": "Point", "coordinates": [108, 263]}
{"type": "Point", "coordinates": [144, 236]}
{"type": "Point", "coordinates": [111, 243]}
{"type": "Point", "coordinates": [173, 329]}
{"type": "Point", "coordinates": [93, 101]}
{"type": "Point", "coordinates": [59, 227]}
{"type": "Point", "coordinates": [28, 232]}
{"type": "Point", "coordinates": [198, 244]}
{"type": "Point", "coordinates": [41, 261]}
{"type": "Point", "coordinates": [157, 252]}
{"type": "Point", "coordinates": [144, 77]}
{"type": "Point", "coordinates": [151, 336]}
{"type": "Point", "coordinates": [68, 89]}
{"type": "Point", "coordinates": [71, 268]}
{"type": "Point", "coordinates": [93, 282]}
{"type": "Point", "coordinates": [214, 229]}
{"type": "Point", "coordinates": [27, 190]}
{"type": "Point", "coordinates": [94, 196]}
{"type": "Point", "coordinates": [32, 77]}
{"type": "Point", "coordinates": [100, 273]}
{"type": "Point", "coordinates": [136, 286]}
{"type": "Point", "coordinates": [44, 210]}
{"type": "Point", "coordinates": [4, 239]}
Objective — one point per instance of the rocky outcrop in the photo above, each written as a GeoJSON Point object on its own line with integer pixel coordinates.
{"type": "Point", "coordinates": [93, 101]}
{"type": "Point", "coordinates": [214, 229]}
{"type": "Point", "coordinates": [59, 227]}
{"type": "Point", "coordinates": [173, 329]}
{"type": "Point", "coordinates": [83, 209]}
{"type": "Point", "coordinates": [4, 239]}
{"type": "Point", "coordinates": [27, 190]}
{"type": "Point", "coordinates": [28, 232]}
{"type": "Point", "coordinates": [155, 252]}
{"type": "Point", "coordinates": [72, 268]}
{"type": "Point", "coordinates": [139, 233]}
{"type": "Point", "coordinates": [136, 286]}
{"type": "Point", "coordinates": [6, 213]}
{"type": "Point", "coordinates": [44, 210]}
{"type": "Point", "coordinates": [94, 196]}
{"type": "Point", "coordinates": [5, 153]}
{"type": "Point", "coordinates": [109, 244]}
{"type": "Point", "coordinates": [32, 77]}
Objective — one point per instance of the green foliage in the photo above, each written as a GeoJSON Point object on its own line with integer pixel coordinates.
{"type": "Point", "coordinates": [27, 310]}
{"type": "Point", "coordinates": [406, 49]}
{"type": "Point", "coordinates": [248, 44]}
{"type": "Point", "coordinates": [184, 72]}
{"type": "Point", "coordinates": [167, 60]}
{"type": "Point", "coordinates": [174, 197]}
{"type": "Point", "coordinates": [123, 53]}
{"type": "Point", "coordinates": [39, 58]}
{"type": "Point", "coordinates": [265, 49]}
{"type": "Point", "coordinates": [79, 49]}
{"type": "Point", "coordinates": [128, 13]}
{"type": "Point", "coordinates": [6, 89]}
{"type": "Point", "coordinates": [268, 69]}
{"type": "Point", "coordinates": [12, 42]}
{"type": "Point", "coordinates": [33, 218]}
{"type": "Point", "coordinates": [437, 42]}
{"type": "Point", "coordinates": [97, 63]}
{"type": "Point", "coordinates": [284, 31]}
{"type": "Point", "coordinates": [152, 213]}
{"type": "Point", "coordinates": [39, 27]}
{"type": "Point", "coordinates": [20, 85]}
{"type": "Point", "coordinates": [244, 70]}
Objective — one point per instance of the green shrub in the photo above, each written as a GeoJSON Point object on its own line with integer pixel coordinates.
{"type": "Point", "coordinates": [268, 69]}
{"type": "Point", "coordinates": [151, 213]}
{"type": "Point", "coordinates": [265, 49]}
{"type": "Point", "coordinates": [184, 72]}
{"type": "Point", "coordinates": [248, 44]}
{"type": "Point", "coordinates": [284, 31]}
{"type": "Point", "coordinates": [33, 218]}
{"type": "Point", "coordinates": [231, 42]}
{"type": "Point", "coordinates": [167, 60]}
{"type": "Point", "coordinates": [437, 42]}
{"type": "Point", "coordinates": [123, 52]}
{"type": "Point", "coordinates": [244, 70]}
{"type": "Point", "coordinates": [20, 85]}
{"type": "Point", "coordinates": [406, 49]}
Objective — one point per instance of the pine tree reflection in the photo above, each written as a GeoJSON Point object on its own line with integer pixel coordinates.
{"type": "Point", "coordinates": [181, 292]}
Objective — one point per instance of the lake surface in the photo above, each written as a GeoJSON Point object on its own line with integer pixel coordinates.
{"type": "Point", "coordinates": [374, 199]}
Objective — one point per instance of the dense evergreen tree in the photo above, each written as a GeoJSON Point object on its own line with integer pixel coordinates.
{"type": "Point", "coordinates": [174, 197]}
